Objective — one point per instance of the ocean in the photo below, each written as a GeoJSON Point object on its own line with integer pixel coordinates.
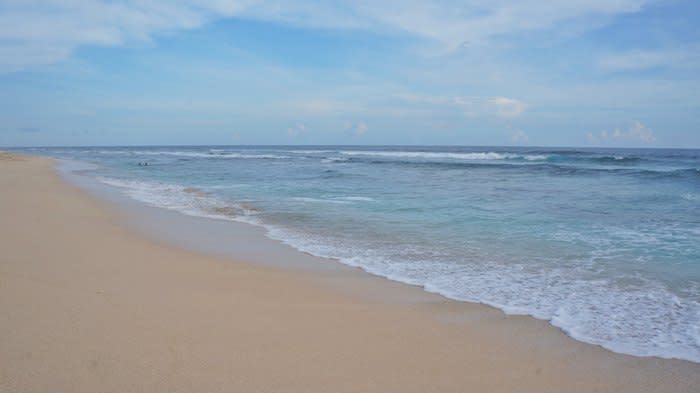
{"type": "Point", "coordinates": [602, 243]}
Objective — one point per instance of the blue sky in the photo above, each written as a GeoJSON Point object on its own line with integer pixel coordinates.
{"type": "Point", "coordinates": [545, 73]}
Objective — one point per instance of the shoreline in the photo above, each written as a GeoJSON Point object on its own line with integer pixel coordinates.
{"type": "Point", "coordinates": [253, 241]}
{"type": "Point", "coordinates": [285, 329]}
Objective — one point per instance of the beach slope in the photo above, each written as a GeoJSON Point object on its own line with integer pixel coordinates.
{"type": "Point", "coordinates": [87, 305]}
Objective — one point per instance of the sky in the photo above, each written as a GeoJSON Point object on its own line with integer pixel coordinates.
{"type": "Point", "coordinates": [613, 73]}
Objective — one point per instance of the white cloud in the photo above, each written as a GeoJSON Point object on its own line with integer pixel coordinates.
{"type": "Point", "coordinates": [641, 60]}
{"type": "Point", "coordinates": [316, 106]}
{"type": "Point", "coordinates": [324, 106]}
{"type": "Point", "coordinates": [42, 32]}
{"type": "Point", "coordinates": [518, 136]}
{"type": "Point", "coordinates": [357, 129]}
{"type": "Point", "coordinates": [298, 129]}
{"type": "Point", "coordinates": [474, 106]}
{"type": "Point", "coordinates": [451, 23]}
{"type": "Point", "coordinates": [508, 107]}
{"type": "Point", "coordinates": [636, 134]}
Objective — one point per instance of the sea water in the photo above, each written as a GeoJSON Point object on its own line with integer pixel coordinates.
{"type": "Point", "coordinates": [603, 243]}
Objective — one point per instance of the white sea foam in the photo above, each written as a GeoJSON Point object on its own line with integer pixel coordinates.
{"type": "Point", "coordinates": [335, 199]}
{"type": "Point", "coordinates": [193, 154]}
{"type": "Point", "coordinates": [217, 155]}
{"type": "Point", "coordinates": [356, 198]}
{"type": "Point", "coordinates": [535, 157]}
{"type": "Point", "coordinates": [319, 200]}
{"type": "Point", "coordinates": [476, 156]}
{"type": "Point", "coordinates": [689, 196]}
{"type": "Point", "coordinates": [221, 153]}
{"type": "Point", "coordinates": [187, 200]}
{"type": "Point", "coordinates": [309, 151]}
{"type": "Point", "coordinates": [330, 160]}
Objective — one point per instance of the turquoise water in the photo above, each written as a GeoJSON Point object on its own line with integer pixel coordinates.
{"type": "Point", "coordinates": [603, 243]}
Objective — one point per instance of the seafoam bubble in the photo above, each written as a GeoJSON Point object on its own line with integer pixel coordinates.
{"type": "Point", "coordinates": [689, 196]}
{"type": "Point", "coordinates": [318, 200]}
{"type": "Point", "coordinates": [331, 160]}
{"type": "Point", "coordinates": [356, 198]}
{"type": "Point", "coordinates": [188, 200]}
{"type": "Point", "coordinates": [212, 155]}
{"type": "Point", "coordinates": [476, 156]}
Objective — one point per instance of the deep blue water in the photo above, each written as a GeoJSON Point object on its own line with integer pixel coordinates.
{"type": "Point", "coordinates": [604, 243]}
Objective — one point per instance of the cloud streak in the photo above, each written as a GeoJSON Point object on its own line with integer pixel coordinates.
{"type": "Point", "coordinates": [642, 60]}
{"type": "Point", "coordinates": [450, 23]}
{"type": "Point", "coordinates": [297, 130]}
{"type": "Point", "coordinates": [637, 133]}
{"type": "Point", "coordinates": [473, 106]}
{"type": "Point", "coordinates": [45, 32]}
{"type": "Point", "coordinates": [508, 107]}
{"type": "Point", "coordinates": [356, 129]}
{"type": "Point", "coordinates": [518, 136]}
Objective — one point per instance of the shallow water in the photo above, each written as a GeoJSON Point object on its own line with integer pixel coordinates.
{"type": "Point", "coordinates": [604, 243]}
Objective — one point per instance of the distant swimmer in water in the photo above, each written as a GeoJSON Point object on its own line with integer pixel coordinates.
{"type": "Point", "coordinates": [143, 163]}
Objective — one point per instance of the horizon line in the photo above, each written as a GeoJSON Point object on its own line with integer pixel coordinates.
{"type": "Point", "coordinates": [353, 145]}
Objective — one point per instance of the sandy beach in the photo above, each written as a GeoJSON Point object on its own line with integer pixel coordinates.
{"type": "Point", "coordinates": [89, 305]}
